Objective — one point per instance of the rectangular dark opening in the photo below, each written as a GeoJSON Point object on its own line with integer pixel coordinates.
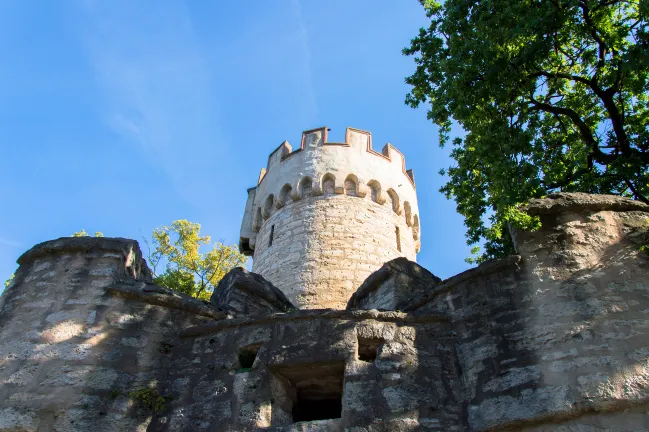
{"type": "Point", "coordinates": [313, 391]}
{"type": "Point", "coordinates": [270, 237]}
{"type": "Point", "coordinates": [306, 409]}
{"type": "Point", "coordinates": [247, 356]}
{"type": "Point", "coordinates": [368, 349]}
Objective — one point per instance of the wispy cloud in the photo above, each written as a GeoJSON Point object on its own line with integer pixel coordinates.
{"type": "Point", "coordinates": [303, 38]}
{"type": "Point", "coordinates": [11, 243]}
{"type": "Point", "coordinates": [154, 85]}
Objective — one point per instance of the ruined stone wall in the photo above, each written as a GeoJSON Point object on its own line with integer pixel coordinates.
{"type": "Point", "coordinates": [389, 373]}
{"type": "Point", "coordinates": [323, 217]}
{"type": "Point", "coordinates": [557, 338]}
{"type": "Point", "coordinates": [74, 342]}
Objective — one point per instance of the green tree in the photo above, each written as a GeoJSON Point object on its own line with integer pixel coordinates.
{"type": "Point", "coordinates": [187, 269]}
{"type": "Point", "coordinates": [552, 95]}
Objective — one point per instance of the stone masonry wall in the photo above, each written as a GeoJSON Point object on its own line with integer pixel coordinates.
{"type": "Point", "coordinates": [411, 384]}
{"type": "Point", "coordinates": [74, 343]}
{"type": "Point", "coordinates": [324, 247]}
{"type": "Point", "coordinates": [557, 338]}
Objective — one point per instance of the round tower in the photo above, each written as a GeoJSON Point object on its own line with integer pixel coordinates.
{"type": "Point", "coordinates": [324, 216]}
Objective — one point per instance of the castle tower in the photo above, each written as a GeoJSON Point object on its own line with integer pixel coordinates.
{"type": "Point", "coordinates": [325, 216]}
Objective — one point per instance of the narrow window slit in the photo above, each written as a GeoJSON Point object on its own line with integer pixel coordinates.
{"type": "Point", "coordinates": [396, 231]}
{"type": "Point", "coordinates": [270, 238]}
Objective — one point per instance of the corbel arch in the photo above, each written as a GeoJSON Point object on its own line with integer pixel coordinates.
{"type": "Point", "coordinates": [408, 213]}
{"type": "Point", "coordinates": [393, 198]}
{"type": "Point", "coordinates": [284, 196]}
{"type": "Point", "coordinates": [328, 184]}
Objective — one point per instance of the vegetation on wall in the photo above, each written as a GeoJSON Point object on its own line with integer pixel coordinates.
{"type": "Point", "coordinates": [83, 233]}
{"type": "Point", "coordinates": [552, 95]}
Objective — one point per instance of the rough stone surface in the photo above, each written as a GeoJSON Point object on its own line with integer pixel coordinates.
{"type": "Point", "coordinates": [241, 292]}
{"type": "Point", "coordinates": [397, 285]}
{"type": "Point", "coordinates": [72, 347]}
{"type": "Point", "coordinates": [552, 339]}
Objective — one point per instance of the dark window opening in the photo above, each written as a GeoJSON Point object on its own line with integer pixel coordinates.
{"type": "Point", "coordinates": [247, 356]}
{"type": "Point", "coordinates": [270, 238]}
{"type": "Point", "coordinates": [312, 391]}
{"type": "Point", "coordinates": [306, 409]}
{"type": "Point", "coordinates": [368, 349]}
{"type": "Point", "coordinates": [396, 231]}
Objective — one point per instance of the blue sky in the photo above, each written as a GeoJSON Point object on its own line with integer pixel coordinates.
{"type": "Point", "coordinates": [122, 116]}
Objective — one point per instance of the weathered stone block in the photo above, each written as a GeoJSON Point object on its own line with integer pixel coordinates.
{"type": "Point", "coordinates": [245, 293]}
{"type": "Point", "coordinates": [396, 285]}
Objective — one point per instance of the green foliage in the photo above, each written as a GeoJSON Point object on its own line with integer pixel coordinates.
{"type": "Point", "coordinates": [83, 233]}
{"type": "Point", "coordinates": [552, 95]}
{"type": "Point", "coordinates": [187, 269]}
{"type": "Point", "coordinates": [149, 399]}
{"type": "Point", "coordinates": [8, 281]}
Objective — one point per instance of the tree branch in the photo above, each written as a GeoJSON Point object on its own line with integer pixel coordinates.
{"type": "Point", "coordinates": [583, 128]}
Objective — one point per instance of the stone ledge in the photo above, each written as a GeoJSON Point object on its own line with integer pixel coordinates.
{"type": "Point", "coordinates": [410, 279]}
{"type": "Point", "coordinates": [311, 314]}
{"type": "Point", "coordinates": [246, 293]}
{"type": "Point", "coordinates": [162, 296]}
{"type": "Point", "coordinates": [79, 244]}
{"type": "Point", "coordinates": [484, 269]}
{"type": "Point", "coordinates": [580, 202]}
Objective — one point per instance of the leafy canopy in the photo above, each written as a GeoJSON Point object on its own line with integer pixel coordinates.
{"type": "Point", "coordinates": [552, 95]}
{"type": "Point", "coordinates": [187, 269]}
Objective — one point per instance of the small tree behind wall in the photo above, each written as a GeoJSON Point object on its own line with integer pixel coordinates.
{"type": "Point", "coordinates": [186, 268]}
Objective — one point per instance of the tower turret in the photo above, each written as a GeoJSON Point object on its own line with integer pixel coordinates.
{"type": "Point", "coordinates": [325, 216]}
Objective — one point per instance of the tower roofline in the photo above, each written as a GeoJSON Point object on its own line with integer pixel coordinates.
{"type": "Point", "coordinates": [286, 150]}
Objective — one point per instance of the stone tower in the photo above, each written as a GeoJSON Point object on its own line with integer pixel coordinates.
{"type": "Point", "coordinates": [325, 216]}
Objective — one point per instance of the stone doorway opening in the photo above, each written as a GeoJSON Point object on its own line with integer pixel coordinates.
{"type": "Point", "coordinates": [312, 391]}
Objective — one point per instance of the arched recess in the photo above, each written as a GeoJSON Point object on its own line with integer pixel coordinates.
{"type": "Point", "coordinates": [284, 195]}
{"type": "Point", "coordinates": [408, 211]}
{"type": "Point", "coordinates": [394, 200]}
{"type": "Point", "coordinates": [257, 221]}
{"type": "Point", "coordinates": [328, 184]}
{"type": "Point", "coordinates": [351, 185]}
{"type": "Point", "coordinates": [268, 206]}
{"type": "Point", "coordinates": [305, 187]}
{"type": "Point", "coordinates": [415, 228]}
{"type": "Point", "coordinates": [375, 192]}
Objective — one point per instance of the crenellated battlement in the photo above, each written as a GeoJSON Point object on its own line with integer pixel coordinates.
{"type": "Point", "coordinates": [354, 138]}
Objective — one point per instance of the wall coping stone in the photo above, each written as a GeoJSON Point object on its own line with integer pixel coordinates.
{"type": "Point", "coordinates": [581, 202]}
{"type": "Point", "coordinates": [311, 314]}
{"type": "Point", "coordinates": [401, 265]}
{"type": "Point", "coordinates": [486, 268]}
{"type": "Point", "coordinates": [78, 244]}
{"type": "Point", "coordinates": [161, 296]}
